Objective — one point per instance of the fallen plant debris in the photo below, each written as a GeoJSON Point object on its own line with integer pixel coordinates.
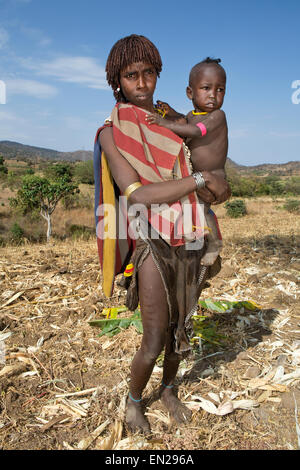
{"type": "Point", "coordinates": [114, 325]}
{"type": "Point", "coordinates": [60, 382]}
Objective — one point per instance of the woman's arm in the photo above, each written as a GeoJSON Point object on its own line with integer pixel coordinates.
{"type": "Point", "coordinates": [124, 175]}
{"type": "Point", "coordinates": [156, 193]}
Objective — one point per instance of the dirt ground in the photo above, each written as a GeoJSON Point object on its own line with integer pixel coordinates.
{"type": "Point", "coordinates": [64, 387]}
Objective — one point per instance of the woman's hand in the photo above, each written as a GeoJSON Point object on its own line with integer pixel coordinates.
{"type": "Point", "coordinates": [206, 196]}
{"type": "Point", "coordinates": [217, 186]}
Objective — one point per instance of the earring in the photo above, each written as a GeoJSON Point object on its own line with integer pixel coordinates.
{"type": "Point", "coordinates": [118, 90]}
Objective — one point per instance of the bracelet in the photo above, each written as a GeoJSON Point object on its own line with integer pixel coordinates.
{"type": "Point", "coordinates": [200, 181]}
{"type": "Point", "coordinates": [131, 188]}
{"type": "Point", "coordinates": [167, 386]}
{"type": "Point", "coordinates": [133, 399]}
{"type": "Point", "coordinates": [202, 128]}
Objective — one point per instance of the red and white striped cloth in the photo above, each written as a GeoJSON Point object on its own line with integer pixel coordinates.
{"type": "Point", "coordinates": [157, 154]}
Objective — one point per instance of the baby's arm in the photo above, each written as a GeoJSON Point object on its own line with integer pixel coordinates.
{"type": "Point", "coordinates": [182, 128]}
{"type": "Point", "coordinates": [191, 130]}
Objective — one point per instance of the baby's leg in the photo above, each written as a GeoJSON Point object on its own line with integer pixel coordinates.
{"type": "Point", "coordinates": [214, 244]}
{"type": "Point", "coordinates": [155, 318]}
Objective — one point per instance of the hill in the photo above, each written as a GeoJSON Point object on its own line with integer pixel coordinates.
{"type": "Point", "coordinates": [16, 151]}
{"type": "Point", "coordinates": [279, 169]}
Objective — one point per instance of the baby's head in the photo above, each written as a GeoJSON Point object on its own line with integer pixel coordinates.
{"type": "Point", "coordinates": [207, 84]}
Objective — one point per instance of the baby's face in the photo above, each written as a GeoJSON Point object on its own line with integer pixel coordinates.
{"type": "Point", "coordinates": [207, 89]}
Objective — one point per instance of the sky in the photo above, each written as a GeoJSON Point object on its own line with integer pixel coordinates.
{"type": "Point", "coordinates": [53, 91]}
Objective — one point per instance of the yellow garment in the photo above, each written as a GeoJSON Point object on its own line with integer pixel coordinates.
{"type": "Point", "coordinates": [109, 245]}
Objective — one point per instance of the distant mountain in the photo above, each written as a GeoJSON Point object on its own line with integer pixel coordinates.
{"type": "Point", "coordinates": [289, 167]}
{"type": "Point", "coordinates": [16, 151]}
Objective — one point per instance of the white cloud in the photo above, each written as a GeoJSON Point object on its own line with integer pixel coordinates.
{"type": "Point", "coordinates": [74, 123]}
{"type": "Point", "coordinates": [238, 133]}
{"type": "Point", "coordinates": [284, 134]}
{"type": "Point", "coordinates": [36, 35]}
{"type": "Point", "coordinates": [4, 37]}
{"type": "Point", "coordinates": [80, 70]}
{"type": "Point", "coordinates": [7, 116]}
{"type": "Point", "coordinates": [31, 88]}
{"type": "Point", "coordinates": [15, 2]}
{"type": "Point", "coordinates": [12, 126]}
{"type": "Point", "coordinates": [61, 134]}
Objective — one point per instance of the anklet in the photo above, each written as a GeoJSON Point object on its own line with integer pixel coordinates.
{"type": "Point", "coordinates": [167, 386]}
{"type": "Point", "coordinates": [133, 399]}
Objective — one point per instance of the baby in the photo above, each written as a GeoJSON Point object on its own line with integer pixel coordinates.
{"type": "Point", "coordinates": [204, 130]}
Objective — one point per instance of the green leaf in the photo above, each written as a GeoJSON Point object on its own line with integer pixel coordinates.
{"type": "Point", "coordinates": [113, 326]}
{"type": "Point", "coordinates": [224, 305]}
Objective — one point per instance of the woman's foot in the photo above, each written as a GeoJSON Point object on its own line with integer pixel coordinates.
{"type": "Point", "coordinates": [135, 418]}
{"type": "Point", "coordinates": [177, 410]}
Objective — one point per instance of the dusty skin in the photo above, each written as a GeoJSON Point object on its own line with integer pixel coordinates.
{"type": "Point", "coordinates": [66, 388]}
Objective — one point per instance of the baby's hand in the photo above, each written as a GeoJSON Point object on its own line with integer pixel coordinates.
{"type": "Point", "coordinates": [164, 107]}
{"type": "Point", "coordinates": [154, 119]}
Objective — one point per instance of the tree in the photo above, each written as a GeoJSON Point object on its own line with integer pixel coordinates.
{"type": "Point", "coordinates": [40, 193]}
{"type": "Point", "coordinates": [84, 172]}
{"type": "Point", "coordinates": [55, 171]}
{"type": "Point", "coordinates": [3, 168]}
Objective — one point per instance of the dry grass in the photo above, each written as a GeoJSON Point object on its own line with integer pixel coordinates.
{"type": "Point", "coordinates": [63, 387]}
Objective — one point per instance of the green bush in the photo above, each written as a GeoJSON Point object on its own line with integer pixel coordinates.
{"type": "Point", "coordinates": [293, 185]}
{"type": "Point", "coordinates": [253, 185]}
{"type": "Point", "coordinates": [84, 172]}
{"type": "Point", "coordinates": [292, 205]}
{"type": "Point", "coordinates": [13, 180]}
{"type": "Point", "coordinates": [3, 168]}
{"type": "Point", "coordinates": [16, 234]}
{"type": "Point", "coordinates": [80, 231]}
{"type": "Point", "coordinates": [76, 201]}
{"type": "Point", "coordinates": [70, 201]}
{"type": "Point", "coordinates": [236, 208]}
{"type": "Point", "coordinates": [54, 171]}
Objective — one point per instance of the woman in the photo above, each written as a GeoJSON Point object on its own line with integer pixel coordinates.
{"type": "Point", "coordinates": [152, 168]}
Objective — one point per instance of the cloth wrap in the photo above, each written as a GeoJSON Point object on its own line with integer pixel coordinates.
{"type": "Point", "coordinates": [157, 154]}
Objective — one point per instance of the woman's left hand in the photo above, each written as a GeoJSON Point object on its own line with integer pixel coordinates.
{"type": "Point", "coordinates": [218, 186]}
{"type": "Point", "coordinates": [206, 196]}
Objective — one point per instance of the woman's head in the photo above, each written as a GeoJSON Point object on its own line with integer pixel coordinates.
{"type": "Point", "coordinates": [130, 50]}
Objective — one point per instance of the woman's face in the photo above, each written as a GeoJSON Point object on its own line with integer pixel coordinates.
{"type": "Point", "coordinates": [138, 82]}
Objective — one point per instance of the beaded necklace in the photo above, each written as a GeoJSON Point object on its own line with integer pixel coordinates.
{"type": "Point", "coordinates": [160, 111]}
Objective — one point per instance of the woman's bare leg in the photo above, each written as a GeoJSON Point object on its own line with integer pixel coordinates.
{"type": "Point", "coordinates": [171, 363]}
{"type": "Point", "coordinates": [155, 318]}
